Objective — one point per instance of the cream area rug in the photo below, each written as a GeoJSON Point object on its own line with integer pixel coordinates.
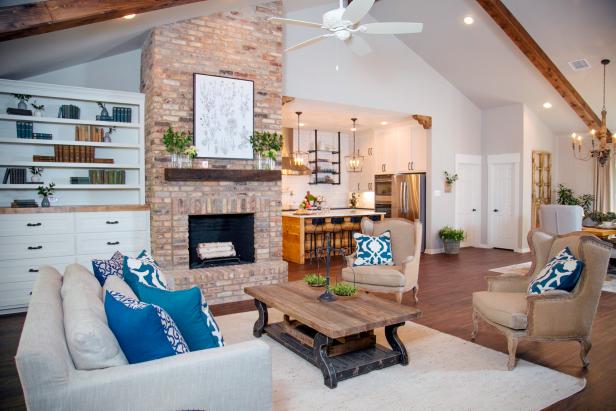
{"type": "Point", "coordinates": [444, 373]}
{"type": "Point", "coordinates": [609, 285]}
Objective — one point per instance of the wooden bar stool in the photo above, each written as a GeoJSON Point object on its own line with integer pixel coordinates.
{"type": "Point", "coordinates": [315, 233]}
{"type": "Point", "coordinates": [337, 235]}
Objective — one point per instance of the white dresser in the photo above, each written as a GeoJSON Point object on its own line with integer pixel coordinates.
{"type": "Point", "coordinates": [62, 236]}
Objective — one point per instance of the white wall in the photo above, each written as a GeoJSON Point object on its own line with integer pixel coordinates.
{"type": "Point", "coordinates": [119, 72]}
{"type": "Point", "coordinates": [294, 187]}
{"type": "Point", "coordinates": [392, 78]}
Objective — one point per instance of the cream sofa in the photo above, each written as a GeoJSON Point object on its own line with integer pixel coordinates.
{"type": "Point", "coordinates": [234, 377]}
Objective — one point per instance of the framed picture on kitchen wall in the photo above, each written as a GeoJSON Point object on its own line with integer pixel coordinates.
{"type": "Point", "coordinates": [223, 110]}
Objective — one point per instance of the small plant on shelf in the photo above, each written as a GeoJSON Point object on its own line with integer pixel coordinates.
{"type": "Point", "coordinates": [314, 280]}
{"type": "Point", "coordinates": [37, 173]}
{"type": "Point", "coordinates": [104, 113]}
{"type": "Point", "coordinates": [38, 108]}
{"type": "Point", "coordinates": [344, 289]}
{"type": "Point", "coordinates": [451, 239]}
{"type": "Point", "coordinates": [46, 191]}
{"type": "Point", "coordinates": [23, 100]}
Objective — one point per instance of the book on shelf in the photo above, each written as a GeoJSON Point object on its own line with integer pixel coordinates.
{"type": "Point", "coordinates": [42, 136]}
{"type": "Point", "coordinates": [122, 114]}
{"type": "Point", "coordinates": [24, 204]}
{"type": "Point", "coordinates": [46, 159]}
{"type": "Point", "coordinates": [14, 175]}
{"type": "Point", "coordinates": [104, 118]}
{"type": "Point", "coordinates": [24, 129]}
{"type": "Point", "coordinates": [103, 160]}
{"type": "Point", "coordinates": [69, 111]}
{"type": "Point", "coordinates": [80, 180]}
{"type": "Point", "coordinates": [107, 176]}
{"type": "Point", "coordinates": [18, 111]}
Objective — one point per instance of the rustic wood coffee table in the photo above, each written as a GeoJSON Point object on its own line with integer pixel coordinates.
{"type": "Point", "coordinates": [338, 337]}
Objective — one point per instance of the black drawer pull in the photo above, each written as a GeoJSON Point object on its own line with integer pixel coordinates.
{"type": "Point", "coordinates": [34, 224]}
{"type": "Point", "coordinates": [38, 247]}
{"type": "Point", "coordinates": [112, 222]}
{"type": "Point", "coordinates": [33, 270]}
{"type": "Point", "coordinates": [113, 242]}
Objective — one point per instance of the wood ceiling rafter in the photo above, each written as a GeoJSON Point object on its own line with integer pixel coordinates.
{"type": "Point", "coordinates": [30, 19]}
{"type": "Point", "coordinates": [529, 47]}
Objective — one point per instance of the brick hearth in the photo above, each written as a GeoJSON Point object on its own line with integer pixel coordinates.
{"type": "Point", "coordinates": [240, 44]}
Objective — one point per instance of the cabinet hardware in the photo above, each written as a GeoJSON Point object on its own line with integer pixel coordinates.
{"type": "Point", "coordinates": [496, 210]}
{"type": "Point", "coordinates": [113, 242]}
{"type": "Point", "coordinates": [112, 222]}
{"type": "Point", "coordinates": [383, 167]}
{"type": "Point", "coordinates": [33, 270]}
{"type": "Point", "coordinates": [38, 247]}
{"type": "Point", "coordinates": [408, 166]}
{"type": "Point", "coordinates": [474, 209]}
{"type": "Point", "coordinates": [412, 166]}
{"type": "Point", "coordinates": [34, 224]}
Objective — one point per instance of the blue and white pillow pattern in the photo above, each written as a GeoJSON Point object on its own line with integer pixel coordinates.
{"type": "Point", "coordinates": [144, 270]}
{"type": "Point", "coordinates": [211, 323]}
{"type": "Point", "coordinates": [373, 250]}
{"type": "Point", "coordinates": [104, 268]}
{"type": "Point", "coordinates": [561, 273]}
{"type": "Point", "coordinates": [145, 331]}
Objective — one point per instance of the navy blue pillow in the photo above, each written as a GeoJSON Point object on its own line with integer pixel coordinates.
{"type": "Point", "coordinates": [190, 313]}
{"type": "Point", "coordinates": [561, 273]}
{"type": "Point", "coordinates": [145, 332]}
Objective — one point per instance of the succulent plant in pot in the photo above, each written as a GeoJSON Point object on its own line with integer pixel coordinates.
{"type": "Point", "coordinates": [314, 280]}
{"type": "Point", "coordinates": [451, 239]}
{"type": "Point", "coordinates": [344, 289]}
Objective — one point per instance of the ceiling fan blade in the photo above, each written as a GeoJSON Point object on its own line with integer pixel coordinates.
{"type": "Point", "coordinates": [308, 42]}
{"type": "Point", "coordinates": [359, 46]}
{"type": "Point", "coordinates": [296, 22]}
{"type": "Point", "coordinates": [357, 10]}
{"type": "Point", "coordinates": [391, 28]}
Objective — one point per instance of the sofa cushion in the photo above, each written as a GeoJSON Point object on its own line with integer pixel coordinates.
{"type": "Point", "coordinates": [145, 331]}
{"type": "Point", "coordinates": [506, 309]}
{"type": "Point", "coordinates": [90, 341]}
{"type": "Point", "coordinates": [105, 268]}
{"type": "Point", "coordinates": [388, 276]}
{"type": "Point", "coordinates": [144, 270]}
{"type": "Point", "coordinates": [373, 250]}
{"type": "Point", "coordinates": [190, 313]}
{"type": "Point", "coordinates": [560, 273]}
{"type": "Point", "coordinates": [115, 283]}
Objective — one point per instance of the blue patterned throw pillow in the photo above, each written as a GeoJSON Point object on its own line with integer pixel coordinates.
{"type": "Point", "coordinates": [373, 250]}
{"type": "Point", "coordinates": [189, 311]}
{"type": "Point", "coordinates": [145, 332]}
{"type": "Point", "coordinates": [561, 273]}
{"type": "Point", "coordinates": [104, 268]}
{"type": "Point", "coordinates": [144, 270]}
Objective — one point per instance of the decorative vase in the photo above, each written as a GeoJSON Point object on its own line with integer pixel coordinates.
{"type": "Point", "coordinates": [45, 202]}
{"type": "Point", "coordinates": [185, 161]}
{"type": "Point", "coordinates": [107, 137]}
{"type": "Point", "coordinates": [22, 105]}
{"type": "Point", "coordinates": [451, 246]}
{"type": "Point", "coordinates": [104, 112]}
{"type": "Point", "coordinates": [448, 187]}
{"type": "Point", "coordinates": [38, 113]}
{"type": "Point", "coordinates": [264, 162]}
{"type": "Point", "coordinates": [35, 178]}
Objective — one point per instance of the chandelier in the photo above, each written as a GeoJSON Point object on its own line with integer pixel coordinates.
{"type": "Point", "coordinates": [603, 150]}
{"type": "Point", "coordinates": [300, 158]}
{"type": "Point", "coordinates": [354, 162]}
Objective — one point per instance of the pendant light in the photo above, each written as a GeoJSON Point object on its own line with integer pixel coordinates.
{"type": "Point", "coordinates": [300, 158]}
{"type": "Point", "coordinates": [354, 162]}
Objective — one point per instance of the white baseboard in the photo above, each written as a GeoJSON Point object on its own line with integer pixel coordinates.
{"type": "Point", "coordinates": [434, 250]}
{"type": "Point", "coordinates": [483, 246]}
{"type": "Point", "coordinates": [522, 250]}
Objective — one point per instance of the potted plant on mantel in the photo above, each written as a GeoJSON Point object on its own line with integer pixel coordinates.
{"type": "Point", "coordinates": [451, 239]}
{"type": "Point", "coordinates": [266, 146]}
{"type": "Point", "coordinates": [176, 144]}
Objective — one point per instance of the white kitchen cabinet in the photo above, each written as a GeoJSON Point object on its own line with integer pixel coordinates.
{"type": "Point", "coordinates": [419, 149]}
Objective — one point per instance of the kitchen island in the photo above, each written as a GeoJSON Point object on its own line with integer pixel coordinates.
{"type": "Point", "coordinates": [294, 244]}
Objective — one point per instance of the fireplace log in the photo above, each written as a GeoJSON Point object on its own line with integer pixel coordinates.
{"type": "Point", "coordinates": [215, 250]}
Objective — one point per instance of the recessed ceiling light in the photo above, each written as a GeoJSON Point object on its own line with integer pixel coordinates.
{"type": "Point", "coordinates": [547, 104]}
{"type": "Point", "coordinates": [384, 123]}
{"type": "Point", "coordinates": [468, 20]}
{"type": "Point", "coordinates": [302, 124]}
{"type": "Point", "coordinates": [353, 129]}
{"type": "Point", "coordinates": [129, 16]}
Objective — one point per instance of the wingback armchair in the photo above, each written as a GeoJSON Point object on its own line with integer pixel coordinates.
{"type": "Point", "coordinates": [560, 219]}
{"type": "Point", "coordinates": [551, 316]}
{"type": "Point", "coordinates": [406, 250]}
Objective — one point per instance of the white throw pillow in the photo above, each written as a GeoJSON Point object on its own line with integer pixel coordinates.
{"type": "Point", "coordinates": [115, 283]}
{"type": "Point", "coordinates": [90, 341]}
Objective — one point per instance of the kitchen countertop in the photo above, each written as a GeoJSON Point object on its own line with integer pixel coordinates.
{"type": "Point", "coordinates": [345, 212]}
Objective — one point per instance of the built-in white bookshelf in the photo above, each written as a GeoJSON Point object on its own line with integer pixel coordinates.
{"type": "Point", "coordinates": [126, 148]}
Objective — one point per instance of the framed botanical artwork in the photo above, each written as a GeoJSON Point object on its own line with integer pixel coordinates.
{"type": "Point", "coordinates": [223, 111]}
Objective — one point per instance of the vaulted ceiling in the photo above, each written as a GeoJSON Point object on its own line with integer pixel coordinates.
{"type": "Point", "coordinates": [480, 60]}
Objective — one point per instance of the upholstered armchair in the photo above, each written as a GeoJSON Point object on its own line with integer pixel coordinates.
{"type": "Point", "coordinates": [554, 315]}
{"type": "Point", "coordinates": [560, 219]}
{"type": "Point", "coordinates": [406, 250]}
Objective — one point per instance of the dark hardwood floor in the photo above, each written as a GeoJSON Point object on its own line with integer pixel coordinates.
{"type": "Point", "coordinates": [446, 284]}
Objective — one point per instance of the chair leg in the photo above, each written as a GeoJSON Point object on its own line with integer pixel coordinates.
{"type": "Point", "coordinates": [512, 346]}
{"type": "Point", "coordinates": [415, 292]}
{"type": "Point", "coordinates": [475, 325]}
{"type": "Point", "coordinates": [586, 345]}
{"type": "Point", "coordinates": [399, 296]}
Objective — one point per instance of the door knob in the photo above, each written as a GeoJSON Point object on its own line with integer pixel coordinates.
{"type": "Point", "coordinates": [474, 209]}
{"type": "Point", "coordinates": [496, 210]}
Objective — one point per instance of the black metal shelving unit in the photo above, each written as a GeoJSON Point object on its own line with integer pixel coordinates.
{"type": "Point", "coordinates": [333, 172]}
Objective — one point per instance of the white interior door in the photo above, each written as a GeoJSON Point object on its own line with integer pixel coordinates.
{"type": "Point", "coordinates": [503, 200]}
{"type": "Point", "coordinates": [468, 198]}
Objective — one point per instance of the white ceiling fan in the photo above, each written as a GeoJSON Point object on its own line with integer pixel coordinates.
{"type": "Point", "coordinates": [343, 23]}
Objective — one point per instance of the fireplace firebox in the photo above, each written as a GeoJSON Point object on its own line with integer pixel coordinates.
{"type": "Point", "coordinates": [237, 229]}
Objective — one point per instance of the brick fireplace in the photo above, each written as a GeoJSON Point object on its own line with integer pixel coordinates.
{"type": "Point", "coordinates": [240, 44]}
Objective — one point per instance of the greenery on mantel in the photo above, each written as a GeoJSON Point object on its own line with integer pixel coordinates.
{"type": "Point", "coordinates": [176, 142]}
{"type": "Point", "coordinates": [266, 143]}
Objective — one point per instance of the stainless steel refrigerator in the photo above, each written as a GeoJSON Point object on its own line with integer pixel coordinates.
{"type": "Point", "coordinates": [408, 199]}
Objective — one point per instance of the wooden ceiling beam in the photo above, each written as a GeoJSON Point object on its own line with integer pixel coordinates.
{"type": "Point", "coordinates": [529, 47]}
{"type": "Point", "coordinates": [29, 19]}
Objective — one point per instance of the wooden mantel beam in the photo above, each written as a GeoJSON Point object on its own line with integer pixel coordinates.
{"type": "Point", "coordinates": [529, 47]}
{"type": "Point", "coordinates": [29, 19]}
